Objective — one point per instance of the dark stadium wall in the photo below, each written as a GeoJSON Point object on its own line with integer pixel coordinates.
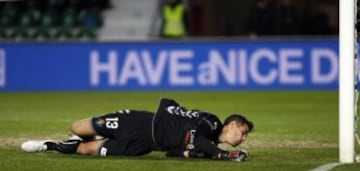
{"type": "Point", "coordinates": [227, 18]}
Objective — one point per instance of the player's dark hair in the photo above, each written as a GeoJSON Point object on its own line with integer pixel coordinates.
{"type": "Point", "coordinates": [239, 119]}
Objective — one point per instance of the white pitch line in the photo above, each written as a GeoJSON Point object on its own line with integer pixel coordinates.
{"type": "Point", "coordinates": [327, 167]}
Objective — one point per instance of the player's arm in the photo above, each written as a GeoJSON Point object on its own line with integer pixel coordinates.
{"type": "Point", "coordinates": [195, 153]}
{"type": "Point", "coordinates": [204, 148]}
{"type": "Point", "coordinates": [208, 148]}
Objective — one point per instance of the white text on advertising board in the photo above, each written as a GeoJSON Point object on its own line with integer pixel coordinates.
{"type": "Point", "coordinates": [236, 67]}
{"type": "Point", "coordinates": [2, 68]}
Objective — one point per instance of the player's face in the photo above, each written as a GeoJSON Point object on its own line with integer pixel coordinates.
{"type": "Point", "coordinates": [237, 134]}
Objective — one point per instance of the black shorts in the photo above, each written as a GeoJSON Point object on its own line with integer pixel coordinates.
{"type": "Point", "coordinates": [128, 132]}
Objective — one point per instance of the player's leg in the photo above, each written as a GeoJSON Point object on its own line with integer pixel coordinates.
{"type": "Point", "coordinates": [86, 129]}
{"type": "Point", "coordinates": [127, 132]}
{"type": "Point", "coordinates": [83, 128]}
{"type": "Point", "coordinates": [90, 147]}
{"type": "Point", "coordinates": [66, 147]}
{"type": "Point", "coordinates": [83, 145]}
{"type": "Point", "coordinates": [112, 126]}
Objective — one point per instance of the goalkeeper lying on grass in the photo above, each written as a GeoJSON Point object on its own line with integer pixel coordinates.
{"type": "Point", "coordinates": [173, 129]}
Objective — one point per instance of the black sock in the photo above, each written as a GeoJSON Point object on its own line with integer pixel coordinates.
{"type": "Point", "coordinates": [50, 145]}
{"type": "Point", "coordinates": [89, 138]}
{"type": "Point", "coordinates": [67, 147]}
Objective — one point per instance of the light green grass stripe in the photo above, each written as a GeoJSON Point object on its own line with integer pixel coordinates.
{"type": "Point", "coordinates": [327, 167]}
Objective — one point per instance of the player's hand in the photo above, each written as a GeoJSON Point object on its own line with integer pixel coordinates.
{"type": "Point", "coordinates": [234, 155]}
{"type": "Point", "coordinates": [240, 156]}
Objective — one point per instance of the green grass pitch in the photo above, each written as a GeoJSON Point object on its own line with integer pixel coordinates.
{"type": "Point", "coordinates": [293, 130]}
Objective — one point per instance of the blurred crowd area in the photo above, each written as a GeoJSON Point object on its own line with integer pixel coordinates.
{"type": "Point", "coordinates": [43, 20]}
{"type": "Point", "coordinates": [285, 18]}
{"type": "Point", "coordinates": [263, 17]}
{"type": "Point", "coordinates": [63, 20]}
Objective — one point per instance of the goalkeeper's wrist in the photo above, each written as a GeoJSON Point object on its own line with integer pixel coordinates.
{"type": "Point", "coordinates": [223, 155]}
{"type": "Point", "coordinates": [186, 154]}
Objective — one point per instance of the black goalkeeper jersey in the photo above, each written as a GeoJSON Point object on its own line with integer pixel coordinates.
{"type": "Point", "coordinates": [176, 128]}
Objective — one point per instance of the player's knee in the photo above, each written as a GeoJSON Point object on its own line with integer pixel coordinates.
{"type": "Point", "coordinates": [83, 128]}
{"type": "Point", "coordinates": [76, 127]}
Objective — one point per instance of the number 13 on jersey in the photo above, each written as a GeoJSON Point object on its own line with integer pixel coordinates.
{"type": "Point", "coordinates": [112, 123]}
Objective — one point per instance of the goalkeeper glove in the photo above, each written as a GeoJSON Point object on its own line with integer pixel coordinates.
{"type": "Point", "coordinates": [234, 155]}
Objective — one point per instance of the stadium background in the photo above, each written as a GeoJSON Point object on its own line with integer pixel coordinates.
{"type": "Point", "coordinates": [65, 60]}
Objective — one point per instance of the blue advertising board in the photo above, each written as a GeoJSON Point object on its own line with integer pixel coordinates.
{"type": "Point", "coordinates": [193, 65]}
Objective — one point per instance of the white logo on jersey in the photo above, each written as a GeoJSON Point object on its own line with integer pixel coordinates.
{"type": "Point", "coordinates": [215, 125]}
{"type": "Point", "coordinates": [126, 111]}
{"type": "Point", "coordinates": [177, 110]}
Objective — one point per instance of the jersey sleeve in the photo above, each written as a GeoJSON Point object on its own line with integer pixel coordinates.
{"type": "Point", "coordinates": [175, 153]}
{"type": "Point", "coordinates": [164, 103]}
{"type": "Point", "coordinates": [209, 126]}
{"type": "Point", "coordinates": [170, 106]}
{"type": "Point", "coordinates": [207, 146]}
{"type": "Point", "coordinates": [208, 133]}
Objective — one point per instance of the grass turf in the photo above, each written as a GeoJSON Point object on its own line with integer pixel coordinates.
{"type": "Point", "coordinates": [293, 130]}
